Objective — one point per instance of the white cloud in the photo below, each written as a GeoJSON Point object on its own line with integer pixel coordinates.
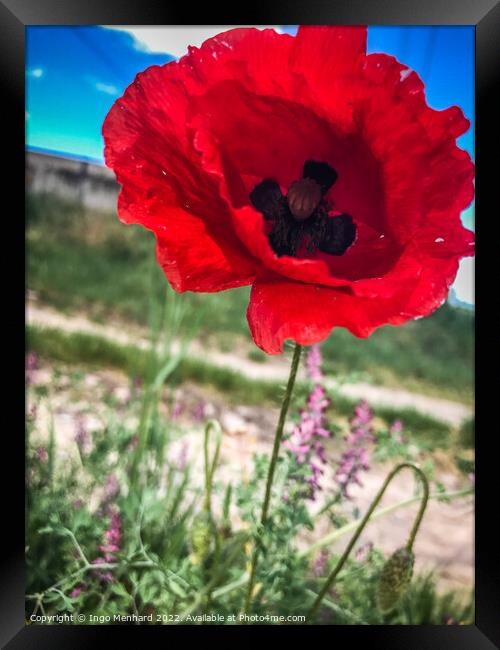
{"type": "Point", "coordinates": [101, 86]}
{"type": "Point", "coordinates": [174, 40]}
{"type": "Point", "coordinates": [464, 282]}
{"type": "Point", "coordinates": [106, 88]}
{"type": "Point", "coordinates": [36, 73]}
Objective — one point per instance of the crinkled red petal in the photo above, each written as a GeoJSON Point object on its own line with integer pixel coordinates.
{"type": "Point", "coordinates": [282, 309]}
{"type": "Point", "coordinates": [189, 141]}
{"type": "Point", "coordinates": [195, 257]}
{"type": "Point", "coordinates": [150, 149]}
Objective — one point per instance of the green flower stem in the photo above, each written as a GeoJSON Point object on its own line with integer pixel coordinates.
{"type": "Point", "coordinates": [207, 591]}
{"type": "Point", "coordinates": [340, 532]}
{"type": "Point", "coordinates": [272, 466]}
{"type": "Point", "coordinates": [108, 566]}
{"type": "Point", "coordinates": [327, 506]}
{"type": "Point", "coordinates": [236, 584]}
{"type": "Point", "coordinates": [210, 467]}
{"type": "Point", "coordinates": [244, 577]}
{"type": "Point", "coordinates": [423, 506]}
{"type": "Point", "coordinates": [338, 610]}
{"type": "Point", "coordinates": [424, 499]}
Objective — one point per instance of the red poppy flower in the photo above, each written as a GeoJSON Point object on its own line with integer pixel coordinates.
{"type": "Point", "coordinates": [300, 165]}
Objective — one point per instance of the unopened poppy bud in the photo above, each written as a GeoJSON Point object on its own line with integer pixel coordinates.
{"type": "Point", "coordinates": [202, 535]}
{"type": "Point", "coordinates": [394, 579]}
{"type": "Point", "coordinates": [303, 198]}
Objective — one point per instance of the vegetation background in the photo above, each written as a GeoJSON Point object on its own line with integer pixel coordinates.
{"type": "Point", "coordinates": [122, 376]}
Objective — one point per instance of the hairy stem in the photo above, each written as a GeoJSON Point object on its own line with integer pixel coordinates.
{"type": "Point", "coordinates": [424, 499]}
{"type": "Point", "coordinates": [272, 466]}
{"type": "Point", "coordinates": [340, 532]}
{"type": "Point", "coordinates": [210, 466]}
{"type": "Point", "coordinates": [243, 579]}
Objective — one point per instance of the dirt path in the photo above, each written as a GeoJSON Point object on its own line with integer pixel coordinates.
{"type": "Point", "coordinates": [275, 368]}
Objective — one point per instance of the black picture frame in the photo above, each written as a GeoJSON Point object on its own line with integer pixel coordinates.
{"type": "Point", "coordinates": [485, 16]}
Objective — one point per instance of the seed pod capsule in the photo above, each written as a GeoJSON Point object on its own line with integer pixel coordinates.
{"type": "Point", "coordinates": [394, 579]}
{"type": "Point", "coordinates": [303, 198]}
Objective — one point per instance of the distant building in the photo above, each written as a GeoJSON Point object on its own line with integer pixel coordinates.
{"type": "Point", "coordinates": [91, 185]}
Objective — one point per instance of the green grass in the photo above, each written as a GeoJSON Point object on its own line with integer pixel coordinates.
{"type": "Point", "coordinates": [95, 263]}
{"type": "Point", "coordinates": [92, 262]}
{"type": "Point", "coordinates": [467, 434]}
{"type": "Point", "coordinates": [98, 352]}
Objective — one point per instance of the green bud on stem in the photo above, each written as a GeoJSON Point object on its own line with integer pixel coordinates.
{"type": "Point", "coordinates": [395, 579]}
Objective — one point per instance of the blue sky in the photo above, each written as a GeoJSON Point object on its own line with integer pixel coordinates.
{"type": "Point", "coordinates": [74, 74]}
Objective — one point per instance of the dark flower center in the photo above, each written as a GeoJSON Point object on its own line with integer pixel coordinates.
{"type": "Point", "coordinates": [301, 217]}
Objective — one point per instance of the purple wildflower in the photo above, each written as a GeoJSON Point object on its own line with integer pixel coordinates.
{"type": "Point", "coordinates": [32, 413]}
{"type": "Point", "coordinates": [320, 563]}
{"type": "Point", "coordinates": [363, 415]}
{"type": "Point", "coordinates": [31, 364]}
{"type": "Point", "coordinates": [31, 361]}
{"type": "Point", "coordinates": [42, 454]}
{"type": "Point", "coordinates": [472, 478]}
{"type": "Point", "coordinates": [111, 489]}
{"type": "Point", "coordinates": [305, 440]}
{"type": "Point", "coordinates": [82, 437]}
{"type": "Point", "coordinates": [77, 591]}
{"type": "Point", "coordinates": [199, 412]}
{"type": "Point", "coordinates": [111, 545]}
{"type": "Point", "coordinates": [363, 552]}
{"type": "Point", "coordinates": [313, 363]}
{"type": "Point", "coordinates": [177, 410]}
{"type": "Point", "coordinates": [104, 576]}
{"type": "Point", "coordinates": [355, 459]}
{"type": "Point", "coordinates": [112, 538]}
{"type": "Point", "coordinates": [396, 427]}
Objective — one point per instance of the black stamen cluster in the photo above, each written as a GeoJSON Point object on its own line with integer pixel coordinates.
{"type": "Point", "coordinates": [319, 231]}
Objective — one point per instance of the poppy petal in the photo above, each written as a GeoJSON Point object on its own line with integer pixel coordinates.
{"type": "Point", "coordinates": [281, 309]}
{"type": "Point", "coordinates": [274, 314]}
{"type": "Point", "coordinates": [195, 259]}
{"type": "Point", "coordinates": [324, 52]}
